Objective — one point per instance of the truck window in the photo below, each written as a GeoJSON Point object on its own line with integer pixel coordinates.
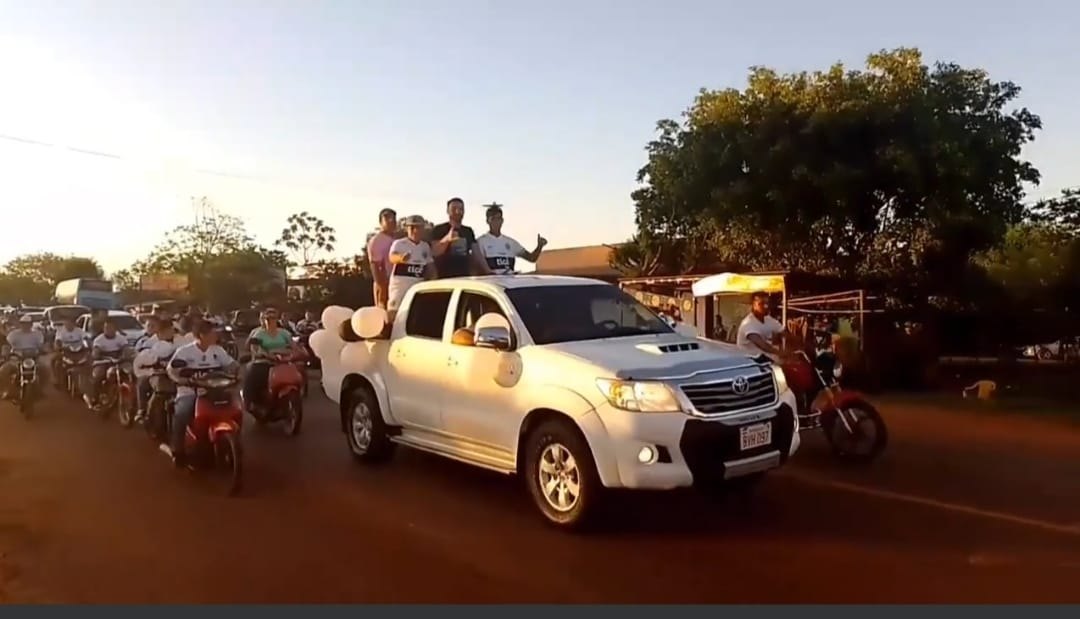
{"type": "Point", "coordinates": [473, 305]}
{"type": "Point", "coordinates": [427, 313]}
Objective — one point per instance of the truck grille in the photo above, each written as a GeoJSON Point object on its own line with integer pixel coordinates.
{"type": "Point", "coordinates": [722, 396]}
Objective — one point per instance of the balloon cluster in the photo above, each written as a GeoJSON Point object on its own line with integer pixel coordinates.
{"type": "Point", "coordinates": [342, 326]}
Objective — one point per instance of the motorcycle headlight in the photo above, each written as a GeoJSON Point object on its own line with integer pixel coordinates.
{"type": "Point", "coordinates": [837, 370]}
{"type": "Point", "coordinates": [217, 383]}
{"type": "Point", "coordinates": [779, 378]}
{"type": "Point", "coordinates": [28, 364]}
{"type": "Point", "coordinates": [639, 396]}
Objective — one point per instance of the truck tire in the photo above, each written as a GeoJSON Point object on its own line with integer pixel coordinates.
{"type": "Point", "coordinates": [365, 430]}
{"type": "Point", "coordinates": [561, 476]}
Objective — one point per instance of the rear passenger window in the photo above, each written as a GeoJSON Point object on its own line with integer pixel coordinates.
{"type": "Point", "coordinates": [427, 313]}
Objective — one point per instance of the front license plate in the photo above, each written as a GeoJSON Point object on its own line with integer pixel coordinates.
{"type": "Point", "coordinates": [757, 435]}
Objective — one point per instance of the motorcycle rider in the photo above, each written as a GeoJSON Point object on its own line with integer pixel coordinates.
{"type": "Point", "coordinates": [411, 261]}
{"type": "Point", "coordinates": [153, 325]}
{"type": "Point", "coordinates": [158, 350]}
{"type": "Point", "coordinates": [499, 250]}
{"type": "Point", "coordinates": [97, 322]}
{"type": "Point", "coordinates": [759, 332]}
{"type": "Point", "coordinates": [68, 334]}
{"type": "Point", "coordinates": [264, 341]}
{"type": "Point", "coordinates": [309, 324]}
{"type": "Point", "coordinates": [202, 354]}
{"type": "Point", "coordinates": [109, 345]}
{"type": "Point", "coordinates": [24, 339]}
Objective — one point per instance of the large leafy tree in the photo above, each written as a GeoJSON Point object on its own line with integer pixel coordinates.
{"type": "Point", "coordinates": [50, 268]}
{"type": "Point", "coordinates": [842, 170]}
{"type": "Point", "coordinates": [307, 237]}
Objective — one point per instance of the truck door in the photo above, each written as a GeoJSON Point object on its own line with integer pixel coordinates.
{"type": "Point", "coordinates": [417, 377]}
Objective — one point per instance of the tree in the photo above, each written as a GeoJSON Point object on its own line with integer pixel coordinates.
{"type": "Point", "coordinates": [307, 236]}
{"type": "Point", "coordinates": [50, 268]}
{"type": "Point", "coordinates": [346, 282]}
{"type": "Point", "coordinates": [124, 279]}
{"type": "Point", "coordinates": [225, 267]}
{"type": "Point", "coordinates": [841, 170]}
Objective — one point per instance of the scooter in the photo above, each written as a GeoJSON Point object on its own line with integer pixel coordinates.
{"type": "Point", "coordinates": [212, 440]}
{"type": "Point", "coordinates": [852, 426]}
{"type": "Point", "coordinates": [283, 399]}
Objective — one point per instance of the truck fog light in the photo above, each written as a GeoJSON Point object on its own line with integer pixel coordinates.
{"type": "Point", "coordinates": [647, 455]}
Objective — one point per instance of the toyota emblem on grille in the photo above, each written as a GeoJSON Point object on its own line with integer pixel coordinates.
{"type": "Point", "coordinates": [740, 385]}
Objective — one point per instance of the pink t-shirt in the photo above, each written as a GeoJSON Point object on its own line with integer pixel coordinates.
{"type": "Point", "coordinates": [378, 249]}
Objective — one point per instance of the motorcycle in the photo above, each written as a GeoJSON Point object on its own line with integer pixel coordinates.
{"type": "Point", "coordinates": [72, 360]}
{"type": "Point", "coordinates": [212, 441]}
{"type": "Point", "coordinates": [159, 408]}
{"type": "Point", "coordinates": [283, 399]}
{"type": "Point", "coordinates": [24, 382]}
{"type": "Point", "coordinates": [118, 390]}
{"type": "Point", "coordinates": [302, 338]}
{"type": "Point", "coordinates": [852, 426]}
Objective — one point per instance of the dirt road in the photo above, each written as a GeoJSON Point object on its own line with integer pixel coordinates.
{"type": "Point", "coordinates": [961, 509]}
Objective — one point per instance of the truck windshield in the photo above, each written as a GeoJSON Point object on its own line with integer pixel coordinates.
{"type": "Point", "coordinates": [554, 314]}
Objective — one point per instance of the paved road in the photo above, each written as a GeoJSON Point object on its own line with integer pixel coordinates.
{"type": "Point", "coordinates": [962, 509]}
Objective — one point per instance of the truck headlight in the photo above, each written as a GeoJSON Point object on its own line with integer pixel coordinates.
{"type": "Point", "coordinates": [779, 378]}
{"type": "Point", "coordinates": [837, 370]}
{"type": "Point", "coordinates": [644, 397]}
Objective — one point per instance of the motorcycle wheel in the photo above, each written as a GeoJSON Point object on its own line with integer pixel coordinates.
{"type": "Point", "coordinates": [294, 418]}
{"type": "Point", "coordinates": [855, 446]}
{"type": "Point", "coordinates": [26, 401]}
{"type": "Point", "coordinates": [124, 414]}
{"type": "Point", "coordinates": [228, 460]}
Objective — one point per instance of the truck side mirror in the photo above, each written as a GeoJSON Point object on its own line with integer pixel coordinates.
{"type": "Point", "coordinates": [497, 338]}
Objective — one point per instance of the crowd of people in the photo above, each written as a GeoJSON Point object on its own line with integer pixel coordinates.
{"type": "Point", "coordinates": [450, 249]}
{"type": "Point", "coordinates": [191, 338]}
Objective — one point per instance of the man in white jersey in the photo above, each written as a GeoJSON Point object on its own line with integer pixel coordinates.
{"type": "Point", "coordinates": [410, 260]}
{"type": "Point", "coordinates": [109, 345]}
{"type": "Point", "coordinates": [24, 339]}
{"type": "Point", "coordinates": [501, 251]}
{"type": "Point", "coordinates": [759, 332]}
{"type": "Point", "coordinates": [155, 352]}
{"type": "Point", "coordinates": [67, 335]}
{"type": "Point", "coordinates": [202, 354]}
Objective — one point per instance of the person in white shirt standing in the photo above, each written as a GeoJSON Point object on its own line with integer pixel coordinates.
{"type": "Point", "coordinates": [411, 261]}
{"type": "Point", "coordinates": [501, 251]}
{"type": "Point", "coordinates": [759, 332]}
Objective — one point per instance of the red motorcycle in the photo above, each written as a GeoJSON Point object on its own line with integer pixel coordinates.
{"type": "Point", "coordinates": [212, 440]}
{"type": "Point", "coordinates": [852, 426]}
{"type": "Point", "coordinates": [284, 398]}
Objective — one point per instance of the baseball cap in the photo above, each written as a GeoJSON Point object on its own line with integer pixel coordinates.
{"type": "Point", "coordinates": [415, 220]}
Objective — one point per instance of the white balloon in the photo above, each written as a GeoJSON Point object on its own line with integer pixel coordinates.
{"type": "Point", "coordinates": [491, 319]}
{"type": "Point", "coordinates": [334, 315]}
{"type": "Point", "coordinates": [326, 344]}
{"type": "Point", "coordinates": [369, 322]}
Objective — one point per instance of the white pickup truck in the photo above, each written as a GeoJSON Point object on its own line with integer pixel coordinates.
{"type": "Point", "coordinates": [569, 382]}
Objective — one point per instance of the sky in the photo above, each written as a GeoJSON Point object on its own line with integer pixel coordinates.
{"type": "Point", "coordinates": [269, 107]}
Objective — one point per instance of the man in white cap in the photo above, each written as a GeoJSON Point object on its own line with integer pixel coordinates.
{"type": "Point", "coordinates": [24, 339]}
{"type": "Point", "coordinates": [411, 261]}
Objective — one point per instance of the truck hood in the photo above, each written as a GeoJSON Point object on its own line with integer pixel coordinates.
{"type": "Point", "coordinates": [656, 356]}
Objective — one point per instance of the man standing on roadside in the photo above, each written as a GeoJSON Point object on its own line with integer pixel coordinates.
{"type": "Point", "coordinates": [378, 254]}
{"type": "Point", "coordinates": [501, 251]}
{"type": "Point", "coordinates": [454, 245]}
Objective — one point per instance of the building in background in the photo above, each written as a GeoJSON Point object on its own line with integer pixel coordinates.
{"type": "Point", "coordinates": [590, 261]}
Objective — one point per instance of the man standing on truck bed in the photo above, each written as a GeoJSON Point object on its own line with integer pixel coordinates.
{"type": "Point", "coordinates": [501, 251]}
{"type": "Point", "coordinates": [378, 250]}
{"type": "Point", "coordinates": [410, 262]}
{"type": "Point", "coordinates": [454, 245]}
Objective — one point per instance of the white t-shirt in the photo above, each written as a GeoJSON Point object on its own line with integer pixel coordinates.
{"type": "Point", "coordinates": [156, 352]}
{"type": "Point", "coordinates": [767, 329]}
{"type": "Point", "coordinates": [196, 358]}
{"type": "Point", "coordinates": [111, 345]}
{"type": "Point", "coordinates": [66, 338]}
{"type": "Point", "coordinates": [404, 275]}
{"type": "Point", "coordinates": [501, 252]}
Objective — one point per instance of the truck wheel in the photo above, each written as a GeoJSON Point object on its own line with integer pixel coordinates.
{"type": "Point", "coordinates": [561, 475]}
{"type": "Point", "coordinates": [366, 431]}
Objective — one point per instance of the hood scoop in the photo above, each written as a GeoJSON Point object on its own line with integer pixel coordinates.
{"type": "Point", "coordinates": [664, 349]}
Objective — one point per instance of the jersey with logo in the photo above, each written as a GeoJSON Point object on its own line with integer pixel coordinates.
{"type": "Point", "coordinates": [501, 252]}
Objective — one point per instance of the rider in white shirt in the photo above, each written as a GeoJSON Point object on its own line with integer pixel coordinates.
{"type": "Point", "coordinates": [410, 260]}
{"type": "Point", "coordinates": [67, 335]}
{"type": "Point", "coordinates": [110, 344]}
{"type": "Point", "coordinates": [156, 351]}
{"type": "Point", "coordinates": [759, 332]}
{"type": "Point", "coordinates": [202, 354]}
{"type": "Point", "coordinates": [24, 339]}
{"type": "Point", "coordinates": [501, 251]}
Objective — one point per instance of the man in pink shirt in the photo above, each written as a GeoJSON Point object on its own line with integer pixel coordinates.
{"type": "Point", "coordinates": [378, 252]}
